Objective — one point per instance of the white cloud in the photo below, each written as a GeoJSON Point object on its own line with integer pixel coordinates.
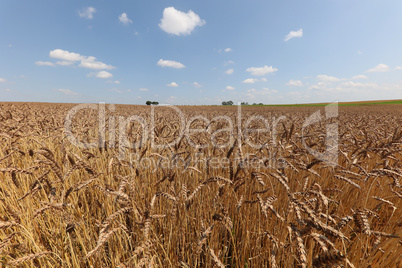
{"type": "Point", "coordinates": [91, 63]}
{"type": "Point", "coordinates": [86, 62]}
{"type": "Point", "coordinates": [101, 74]}
{"type": "Point", "coordinates": [66, 91]}
{"type": "Point", "coordinates": [379, 68]}
{"type": "Point", "coordinates": [259, 71]}
{"type": "Point", "coordinates": [171, 64]}
{"type": "Point", "coordinates": [230, 88]}
{"type": "Point", "coordinates": [6, 90]}
{"type": "Point", "coordinates": [196, 84]}
{"type": "Point", "coordinates": [398, 68]}
{"type": "Point", "coordinates": [228, 49]}
{"type": "Point", "coordinates": [296, 83]}
{"type": "Point", "coordinates": [229, 71]}
{"type": "Point", "coordinates": [173, 84]}
{"type": "Point", "coordinates": [87, 12]}
{"type": "Point", "coordinates": [104, 74]}
{"type": "Point", "coordinates": [3, 80]}
{"type": "Point", "coordinates": [64, 63]}
{"type": "Point", "coordinates": [124, 19]}
{"type": "Point", "coordinates": [293, 34]}
{"type": "Point", "coordinates": [254, 80]}
{"type": "Point", "coordinates": [65, 55]}
{"type": "Point", "coordinates": [350, 84]}
{"type": "Point", "coordinates": [250, 81]}
{"type": "Point", "coordinates": [326, 78]}
{"type": "Point", "coordinates": [143, 89]}
{"type": "Point", "coordinates": [44, 63]}
{"type": "Point", "coordinates": [179, 23]}
{"type": "Point", "coordinates": [360, 76]}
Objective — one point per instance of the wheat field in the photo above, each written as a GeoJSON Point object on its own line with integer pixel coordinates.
{"type": "Point", "coordinates": [127, 203]}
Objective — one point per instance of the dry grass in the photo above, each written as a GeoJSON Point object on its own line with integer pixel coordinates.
{"type": "Point", "coordinates": [65, 206]}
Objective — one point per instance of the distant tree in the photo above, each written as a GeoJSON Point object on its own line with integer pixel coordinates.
{"type": "Point", "coordinates": [155, 103]}
{"type": "Point", "coordinates": [148, 103]}
{"type": "Point", "coordinates": [227, 102]}
{"type": "Point", "coordinates": [244, 103]}
{"type": "Point", "coordinates": [261, 103]}
{"type": "Point", "coordinates": [254, 103]}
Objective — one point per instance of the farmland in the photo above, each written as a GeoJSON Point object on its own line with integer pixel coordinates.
{"type": "Point", "coordinates": [138, 186]}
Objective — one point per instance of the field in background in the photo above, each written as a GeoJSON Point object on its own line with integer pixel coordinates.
{"type": "Point", "coordinates": [272, 205]}
{"type": "Point", "coordinates": [356, 103]}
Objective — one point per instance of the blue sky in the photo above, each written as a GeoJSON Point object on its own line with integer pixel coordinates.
{"type": "Point", "coordinates": [200, 52]}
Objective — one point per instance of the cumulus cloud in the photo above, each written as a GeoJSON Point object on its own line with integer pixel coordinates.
{"type": "Point", "coordinates": [379, 68]}
{"type": "Point", "coordinates": [230, 88]}
{"type": "Point", "coordinates": [91, 63]}
{"type": "Point", "coordinates": [85, 61]}
{"type": "Point", "coordinates": [3, 80]}
{"type": "Point", "coordinates": [171, 64]}
{"type": "Point", "coordinates": [229, 71]}
{"type": "Point", "coordinates": [66, 91]}
{"type": "Point", "coordinates": [398, 68]}
{"type": "Point", "coordinates": [44, 63]}
{"type": "Point", "coordinates": [173, 84]}
{"type": "Point", "coordinates": [360, 76]}
{"type": "Point", "coordinates": [293, 34]}
{"type": "Point", "coordinates": [104, 74]}
{"type": "Point", "coordinates": [101, 74]}
{"type": "Point", "coordinates": [259, 71]}
{"type": "Point", "coordinates": [87, 12]}
{"type": "Point", "coordinates": [196, 84]}
{"type": "Point", "coordinates": [296, 83]}
{"type": "Point", "coordinates": [179, 23]}
{"type": "Point", "coordinates": [143, 89]}
{"type": "Point", "coordinates": [327, 78]}
{"type": "Point", "coordinates": [250, 81]}
{"type": "Point", "coordinates": [228, 49]}
{"type": "Point", "coordinates": [123, 18]}
{"type": "Point", "coordinates": [65, 55]}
